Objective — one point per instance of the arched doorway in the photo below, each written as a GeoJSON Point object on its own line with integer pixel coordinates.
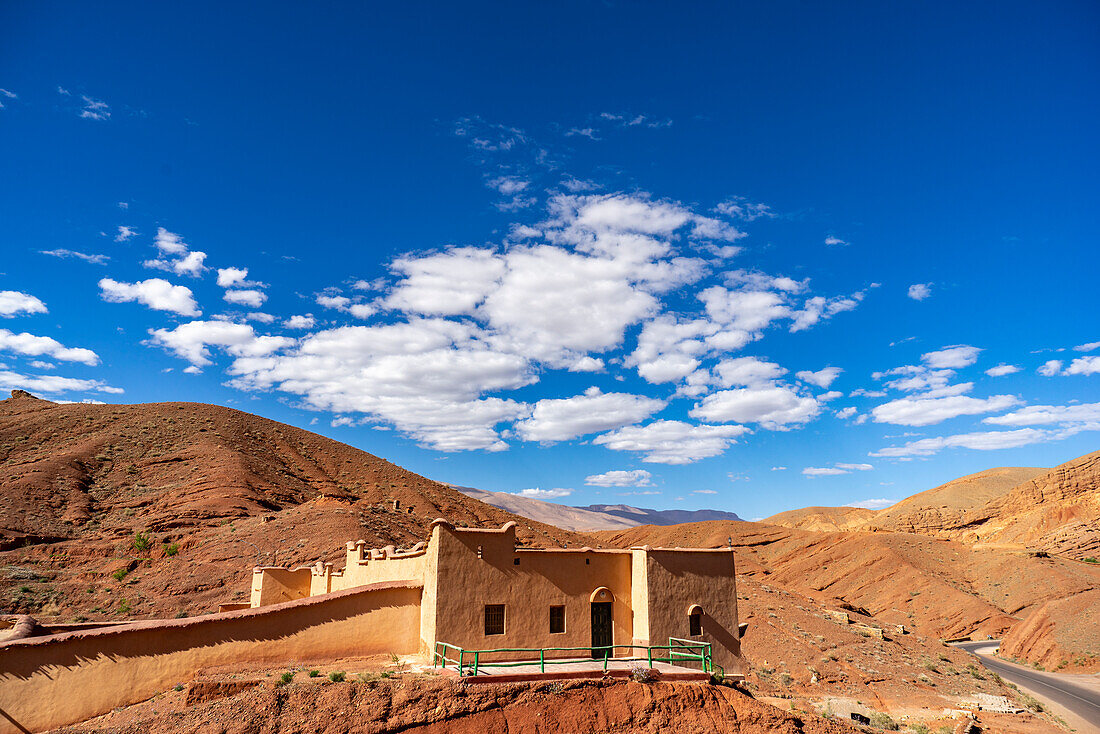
{"type": "Point", "coordinates": [603, 603]}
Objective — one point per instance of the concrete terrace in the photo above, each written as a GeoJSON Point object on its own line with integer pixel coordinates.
{"type": "Point", "coordinates": [616, 668]}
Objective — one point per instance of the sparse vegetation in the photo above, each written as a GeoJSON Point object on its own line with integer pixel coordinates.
{"type": "Point", "coordinates": [141, 542]}
{"type": "Point", "coordinates": [24, 589]}
{"type": "Point", "coordinates": [366, 677]}
{"type": "Point", "coordinates": [918, 728]}
{"type": "Point", "coordinates": [178, 687]}
{"type": "Point", "coordinates": [642, 674]}
{"type": "Point", "coordinates": [1031, 702]}
{"type": "Point", "coordinates": [314, 673]}
{"type": "Point", "coordinates": [881, 720]}
{"type": "Point", "coordinates": [786, 679]}
{"type": "Point", "coordinates": [120, 574]}
{"type": "Point", "coordinates": [172, 549]}
{"type": "Point", "coordinates": [931, 666]}
{"type": "Point", "coordinates": [286, 677]}
{"type": "Point", "coordinates": [124, 606]}
{"type": "Point", "coordinates": [1091, 559]}
{"type": "Point", "coordinates": [337, 676]}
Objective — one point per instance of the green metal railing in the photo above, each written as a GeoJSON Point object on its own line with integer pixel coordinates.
{"type": "Point", "coordinates": [469, 662]}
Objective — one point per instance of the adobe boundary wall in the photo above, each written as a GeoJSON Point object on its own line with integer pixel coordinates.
{"type": "Point", "coordinates": [56, 680]}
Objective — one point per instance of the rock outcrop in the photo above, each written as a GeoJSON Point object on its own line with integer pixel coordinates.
{"type": "Point", "coordinates": [449, 707]}
{"type": "Point", "coordinates": [1062, 635]}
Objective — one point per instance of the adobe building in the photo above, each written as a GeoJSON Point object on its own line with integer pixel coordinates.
{"type": "Point", "coordinates": [467, 587]}
{"type": "Point", "coordinates": [481, 591]}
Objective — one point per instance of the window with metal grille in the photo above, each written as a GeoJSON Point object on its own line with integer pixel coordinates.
{"type": "Point", "coordinates": [557, 620]}
{"type": "Point", "coordinates": [695, 624]}
{"type": "Point", "coordinates": [494, 619]}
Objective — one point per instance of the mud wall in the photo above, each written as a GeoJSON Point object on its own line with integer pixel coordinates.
{"type": "Point", "coordinates": [47, 682]}
{"type": "Point", "coordinates": [479, 567]}
{"type": "Point", "coordinates": [275, 584]}
{"type": "Point", "coordinates": [404, 567]}
{"type": "Point", "coordinates": [681, 578]}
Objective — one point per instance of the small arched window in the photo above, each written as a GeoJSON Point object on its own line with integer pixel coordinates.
{"type": "Point", "coordinates": [695, 620]}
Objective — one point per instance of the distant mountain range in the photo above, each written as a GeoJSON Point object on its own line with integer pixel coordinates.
{"type": "Point", "coordinates": [592, 517]}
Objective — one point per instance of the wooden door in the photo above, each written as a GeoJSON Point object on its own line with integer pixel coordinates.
{"type": "Point", "coordinates": [601, 629]}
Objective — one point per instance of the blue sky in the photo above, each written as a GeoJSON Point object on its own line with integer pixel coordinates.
{"type": "Point", "coordinates": [748, 257]}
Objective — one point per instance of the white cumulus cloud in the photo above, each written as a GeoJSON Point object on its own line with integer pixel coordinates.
{"type": "Point", "coordinates": [925, 411]}
{"type": "Point", "coordinates": [620, 478]}
{"type": "Point", "coordinates": [774, 407]}
{"type": "Point", "coordinates": [1050, 368]}
{"type": "Point", "coordinates": [17, 302]}
{"type": "Point", "coordinates": [300, 321]}
{"type": "Point", "coordinates": [51, 384]}
{"type": "Point", "coordinates": [747, 371]}
{"type": "Point", "coordinates": [592, 412]}
{"type": "Point", "coordinates": [979, 441]}
{"type": "Point", "coordinates": [251, 297]}
{"type": "Point", "coordinates": [1084, 366]}
{"type": "Point", "coordinates": [952, 358]}
{"type": "Point", "coordinates": [175, 255]}
{"type": "Point", "coordinates": [822, 378]}
{"type": "Point", "coordinates": [672, 442]}
{"type": "Point", "coordinates": [1002, 369]}
{"type": "Point", "coordinates": [156, 293]}
{"type": "Point", "coordinates": [38, 346]}
{"type": "Point", "coordinates": [190, 341]}
{"type": "Point", "coordinates": [1035, 415]}
{"type": "Point", "coordinates": [920, 291]}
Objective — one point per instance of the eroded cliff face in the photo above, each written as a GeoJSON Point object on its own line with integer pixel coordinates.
{"type": "Point", "coordinates": [444, 706]}
{"type": "Point", "coordinates": [1025, 508]}
{"type": "Point", "coordinates": [1060, 635]}
{"type": "Point", "coordinates": [1058, 512]}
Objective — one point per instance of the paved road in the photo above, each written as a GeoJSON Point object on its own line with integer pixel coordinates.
{"type": "Point", "coordinates": [1084, 702]}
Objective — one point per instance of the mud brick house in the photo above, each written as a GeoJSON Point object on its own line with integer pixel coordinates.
{"type": "Point", "coordinates": [481, 591]}
{"type": "Point", "coordinates": [472, 588]}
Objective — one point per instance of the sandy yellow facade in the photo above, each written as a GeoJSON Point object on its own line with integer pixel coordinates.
{"type": "Point", "coordinates": [51, 681]}
{"type": "Point", "coordinates": [540, 598]}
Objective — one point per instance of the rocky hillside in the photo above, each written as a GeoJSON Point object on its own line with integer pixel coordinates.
{"type": "Point", "coordinates": [929, 512]}
{"type": "Point", "coordinates": [1057, 511]}
{"type": "Point", "coordinates": [945, 506]}
{"type": "Point", "coordinates": [1059, 635]}
{"type": "Point", "coordinates": [935, 587]}
{"type": "Point", "coordinates": [445, 706]}
{"type": "Point", "coordinates": [823, 519]}
{"type": "Point", "coordinates": [211, 490]}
